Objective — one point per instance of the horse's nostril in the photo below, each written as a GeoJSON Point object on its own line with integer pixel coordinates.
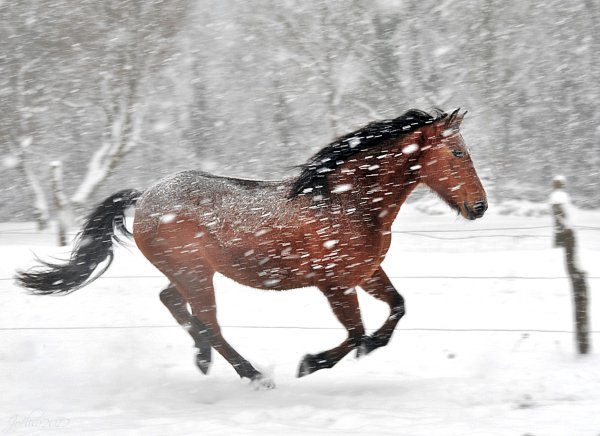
{"type": "Point", "coordinates": [480, 207]}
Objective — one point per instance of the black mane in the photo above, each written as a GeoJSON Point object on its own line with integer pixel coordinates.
{"type": "Point", "coordinates": [313, 177]}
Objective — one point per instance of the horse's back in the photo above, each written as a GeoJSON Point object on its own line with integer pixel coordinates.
{"type": "Point", "coordinates": [177, 191]}
{"type": "Point", "coordinates": [193, 221]}
{"type": "Point", "coordinates": [207, 200]}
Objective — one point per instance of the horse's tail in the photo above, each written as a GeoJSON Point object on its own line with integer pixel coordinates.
{"type": "Point", "coordinates": [93, 245]}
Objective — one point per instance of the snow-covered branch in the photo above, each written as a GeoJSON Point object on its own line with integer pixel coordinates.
{"type": "Point", "coordinates": [123, 135]}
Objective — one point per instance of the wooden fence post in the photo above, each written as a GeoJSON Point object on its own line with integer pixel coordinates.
{"type": "Point", "coordinates": [60, 203]}
{"type": "Point", "coordinates": [564, 236]}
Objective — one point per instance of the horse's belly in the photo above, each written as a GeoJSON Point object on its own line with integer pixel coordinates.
{"type": "Point", "coordinates": [278, 272]}
{"type": "Point", "coordinates": [266, 272]}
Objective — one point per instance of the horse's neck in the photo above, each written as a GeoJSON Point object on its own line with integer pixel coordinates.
{"type": "Point", "coordinates": [377, 185]}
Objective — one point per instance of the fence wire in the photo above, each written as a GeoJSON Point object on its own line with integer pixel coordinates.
{"type": "Point", "coordinates": [26, 232]}
{"type": "Point", "coordinates": [426, 233]}
{"type": "Point", "coordinates": [8, 279]}
{"type": "Point", "coordinates": [317, 328]}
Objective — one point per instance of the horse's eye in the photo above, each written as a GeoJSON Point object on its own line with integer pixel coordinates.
{"type": "Point", "coordinates": [458, 153]}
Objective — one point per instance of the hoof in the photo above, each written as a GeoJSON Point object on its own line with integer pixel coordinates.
{"type": "Point", "coordinates": [202, 363]}
{"type": "Point", "coordinates": [367, 344]}
{"type": "Point", "coordinates": [308, 365]}
{"type": "Point", "coordinates": [262, 384]}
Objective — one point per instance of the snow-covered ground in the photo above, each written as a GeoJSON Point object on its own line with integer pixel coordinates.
{"type": "Point", "coordinates": [473, 356]}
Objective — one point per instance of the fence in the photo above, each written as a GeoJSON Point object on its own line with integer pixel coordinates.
{"type": "Point", "coordinates": [478, 233]}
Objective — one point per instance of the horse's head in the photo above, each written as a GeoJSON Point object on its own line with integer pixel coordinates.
{"type": "Point", "coordinates": [446, 167]}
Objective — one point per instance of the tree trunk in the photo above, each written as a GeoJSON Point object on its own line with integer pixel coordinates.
{"type": "Point", "coordinates": [40, 204]}
{"type": "Point", "coordinates": [122, 136]}
{"type": "Point", "coordinates": [60, 202]}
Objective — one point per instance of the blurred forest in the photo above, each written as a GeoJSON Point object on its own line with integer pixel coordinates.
{"type": "Point", "coordinates": [124, 92]}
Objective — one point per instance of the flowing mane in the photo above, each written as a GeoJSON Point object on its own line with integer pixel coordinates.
{"type": "Point", "coordinates": [313, 177]}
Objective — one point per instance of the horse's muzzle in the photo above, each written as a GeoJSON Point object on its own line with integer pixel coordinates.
{"type": "Point", "coordinates": [475, 210]}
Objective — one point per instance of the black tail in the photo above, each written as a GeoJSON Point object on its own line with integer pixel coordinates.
{"type": "Point", "coordinates": [93, 245]}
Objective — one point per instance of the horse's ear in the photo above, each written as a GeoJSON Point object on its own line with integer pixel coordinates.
{"type": "Point", "coordinates": [454, 120]}
{"type": "Point", "coordinates": [451, 120]}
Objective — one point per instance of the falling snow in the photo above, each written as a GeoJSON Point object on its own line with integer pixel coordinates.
{"type": "Point", "coordinates": [410, 148]}
{"type": "Point", "coordinates": [118, 95]}
{"type": "Point", "coordinates": [448, 379]}
{"type": "Point", "coordinates": [344, 187]}
{"type": "Point", "coordinates": [330, 244]}
{"type": "Point", "coordinates": [168, 218]}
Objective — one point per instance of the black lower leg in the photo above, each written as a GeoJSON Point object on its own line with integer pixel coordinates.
{"type": "Point", "coordinates": [327, 359]}
{"type": "Point", "coordinates": [380, 287]}
{"type": "Point", "coordinates": [344, 303]}
{"type": "Point", "coordinates": [201, 297]}
{"type": "Point", "coordinates": [241, 365]}
{"type": "Point", "coordinates": [176, 304]}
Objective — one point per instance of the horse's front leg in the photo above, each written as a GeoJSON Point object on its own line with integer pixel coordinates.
{"type": "Point", "coordinates": [344, 303]}
{"type": "Point", "coordinates": [380, 287]}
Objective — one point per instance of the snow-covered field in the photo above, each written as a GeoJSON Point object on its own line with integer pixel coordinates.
{"type": "Point", "coordinates": [473, 356]}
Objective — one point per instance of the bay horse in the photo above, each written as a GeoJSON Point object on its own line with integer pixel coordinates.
{"type": "Point", "coordinates": [330, 228]}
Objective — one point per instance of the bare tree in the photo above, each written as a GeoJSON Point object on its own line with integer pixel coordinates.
{"type": "Point", "coordinates": [326, 42]}
{"type": "Point", "coordinates": [28, 100]}
{"type": "Point", "coordinates": [132, 50]}
{"type": "Point", "coordinates": [110, 52]}
{"type": "Point", "coordinates": [86, 83]}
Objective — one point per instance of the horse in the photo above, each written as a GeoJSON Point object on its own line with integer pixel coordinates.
{"type": "Point", "coordinates": [329, 228]}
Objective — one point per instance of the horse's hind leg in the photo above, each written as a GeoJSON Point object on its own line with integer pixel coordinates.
{"type": "Point", "coordinates": [176, 304]}
{"type": "Point", "coordinates": [344, 303]}
{"type": "Point", "coordinates": [380, 287]}
{"type": "Point", "coordinates": [201, 296]}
